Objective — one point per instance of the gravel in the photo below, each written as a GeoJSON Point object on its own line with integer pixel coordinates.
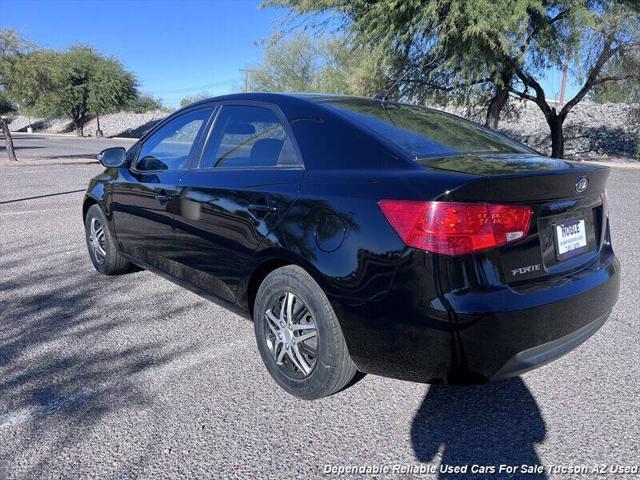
{"type": "Point", "coordinates": [591, 130]}
{"type": "Point", "coordinates": [122, 124]}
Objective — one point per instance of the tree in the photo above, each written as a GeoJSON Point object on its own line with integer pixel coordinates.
{"type": "Point", "coordinates": [7, 107]}
{"type": "Point", "coordinates": [73, 83]}
{"type": "Point", "coordinates": [86, 82]}
{"type": "Point", "coordinates": [498, 46]}
{"type": "Point", "coordinates": [441, 51]}
{"type": "Point", "coordinates": [143, 103]}
{"type": "Point", "coordinates": [73, 78]}
{"type": "Point", "coordinates": [29, 80]}
{"type": "Point", "coordinates": [111, 87]}
{"type": "Point", "coordinates": [326, 64]}
{"type": "Point", "coordinates": [626, 90]}
{"type": "Point", "coordinates": [193, 99]}
{"type": "Point", "coordinates": [11, 45]}
{"type": "Point", "coordinates": [597, 33]}
{"type": "Point", "coordinates": [287, 66]}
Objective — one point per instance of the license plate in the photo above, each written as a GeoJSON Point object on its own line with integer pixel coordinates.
{"type": "Point", "coordinates": [571, 238]}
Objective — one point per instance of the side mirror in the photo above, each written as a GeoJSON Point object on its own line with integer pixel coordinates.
{"type": "Point", "coordinates": [112, 157]}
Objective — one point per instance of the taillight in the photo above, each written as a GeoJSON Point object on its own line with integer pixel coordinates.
{"type": "Point", "coordinates": [455, 228]}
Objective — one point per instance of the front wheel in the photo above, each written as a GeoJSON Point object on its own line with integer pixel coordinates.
{"type": "Point", "coordinates": [299, 336]}
{"type": "Point", "coordinates": [103, 251]}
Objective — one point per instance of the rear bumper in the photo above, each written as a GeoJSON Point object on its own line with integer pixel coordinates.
{"type": "Point", "coordinates": [547, 352]}
{"type": "Point", "coordinates": [474, 337]}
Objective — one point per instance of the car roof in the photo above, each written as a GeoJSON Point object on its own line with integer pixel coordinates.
{"type": "Point", "coordinates": [312, 100]}
{"type": "Point", "coordinates": [285, 97]}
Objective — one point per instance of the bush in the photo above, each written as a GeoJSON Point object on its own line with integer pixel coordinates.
{"type": "Point", "coordinates": [144, 103]}
{"type": "Point", "coordinates": [195, 98]}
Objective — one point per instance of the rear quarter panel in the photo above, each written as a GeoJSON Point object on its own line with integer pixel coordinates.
{"type": "Point", "coordinates": [337, 232]}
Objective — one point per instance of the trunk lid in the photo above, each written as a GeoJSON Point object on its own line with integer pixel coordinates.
{"type": "Point", "coordinates": [569, 220]}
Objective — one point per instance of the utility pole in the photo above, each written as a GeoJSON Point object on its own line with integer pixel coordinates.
{"type": "Point", "coordinates": [565, 70]}
{"type": "Point", "coordinates": [246, 78]}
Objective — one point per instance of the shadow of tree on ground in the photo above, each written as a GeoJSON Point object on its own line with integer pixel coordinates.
{"type": "Point", "coordinates": [65, 354]}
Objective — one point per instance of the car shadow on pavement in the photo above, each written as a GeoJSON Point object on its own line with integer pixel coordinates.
{"type": "Point", "coordinates": [486, 425]}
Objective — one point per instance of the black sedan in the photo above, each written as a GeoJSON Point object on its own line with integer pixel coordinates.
{"type": "Point", "coordinates": [363, 235]}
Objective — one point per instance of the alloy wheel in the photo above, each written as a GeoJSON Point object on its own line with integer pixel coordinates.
{"type": "Point", "coordinates": [97, 241]}
{"type": "Point", "coordinates": [291, 335]}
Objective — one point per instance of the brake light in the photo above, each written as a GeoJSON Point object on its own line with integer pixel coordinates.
{"type": "Point", "coordinates": [453, 228]}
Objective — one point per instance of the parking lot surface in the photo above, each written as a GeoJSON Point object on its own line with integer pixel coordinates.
{"type": "Point", "coordinates": [134, 377]}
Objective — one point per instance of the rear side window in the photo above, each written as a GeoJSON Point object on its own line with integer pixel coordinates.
{"type": "Point", "coordinates": [248, 136]}
{"type": "Point", "coordinates": [422, 132]}
{"type": "Point", "coordinates": [171, 147]}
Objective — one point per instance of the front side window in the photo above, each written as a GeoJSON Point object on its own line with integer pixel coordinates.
{"type": "Point", "coordinates": [172, 146]}
{"type": "Point", "coordinates": [248, 136]}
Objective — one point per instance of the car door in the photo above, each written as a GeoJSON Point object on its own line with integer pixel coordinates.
{"type": "Point", "coordinates": [249, 174]}
{"type": "Point", "coordinates": [143, 196]}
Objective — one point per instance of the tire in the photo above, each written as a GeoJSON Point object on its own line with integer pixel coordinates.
{"type": "Point", "coordinates": [96, 227]}
{"type": "Point", "coordinates": [309, 369]}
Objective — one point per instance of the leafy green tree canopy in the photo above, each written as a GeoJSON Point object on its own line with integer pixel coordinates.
{"type": "Point", "coordinates": [143, 103]}
{"type": "Point", "coordinates": [111, 86]}
{"type": "Point", "coordinates": [194, 98]}
{"type": "Point", "coordinates": [627, 89]}
{"type": "Point", "coordinates": [29, 80]}
{"type": "Point", "coordinates": [11, 45]}
{"type": "Point", "coordinates": [85, 81]}
{"type": "Point", "coordinates": [328, 64]}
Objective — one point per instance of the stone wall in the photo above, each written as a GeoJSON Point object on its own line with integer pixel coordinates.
{"type": "Point", "coordinates": [122, 124]}
{"type": "Point", "coordinates": [591, 130]}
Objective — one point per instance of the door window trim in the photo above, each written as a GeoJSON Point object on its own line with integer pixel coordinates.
{"type": "Point", "coordinates": [248, 103]}
{"type": "Point", "coordinates": [198, 143]}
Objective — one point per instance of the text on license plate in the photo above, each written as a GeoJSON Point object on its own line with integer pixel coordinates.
{"type": "Point", "coordinates": [571, 238]}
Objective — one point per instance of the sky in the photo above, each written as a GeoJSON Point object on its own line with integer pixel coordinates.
{"type": "Point", "coordinates": [175, 48]}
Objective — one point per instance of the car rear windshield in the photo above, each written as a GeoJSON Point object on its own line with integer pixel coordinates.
{"type": "Point", "coordinates": [422, 132]}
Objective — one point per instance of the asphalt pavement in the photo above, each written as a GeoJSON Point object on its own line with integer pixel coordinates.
{"type": "Point", "coordinates": [134, 377]}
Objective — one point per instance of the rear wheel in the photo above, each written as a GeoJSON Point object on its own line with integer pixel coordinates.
{"type": "Point", "coordinates": [104, 253]}
{"type": "Point", "coordinates": [299, 337]}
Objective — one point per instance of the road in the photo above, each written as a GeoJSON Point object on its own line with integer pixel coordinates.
{"type": "Point", "coordinates": [41, 149]}
{"type": "Point", "coordinates": [134, 377]}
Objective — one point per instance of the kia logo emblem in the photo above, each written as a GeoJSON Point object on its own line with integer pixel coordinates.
{"type": "Point", "coordinates": [582, 185]}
